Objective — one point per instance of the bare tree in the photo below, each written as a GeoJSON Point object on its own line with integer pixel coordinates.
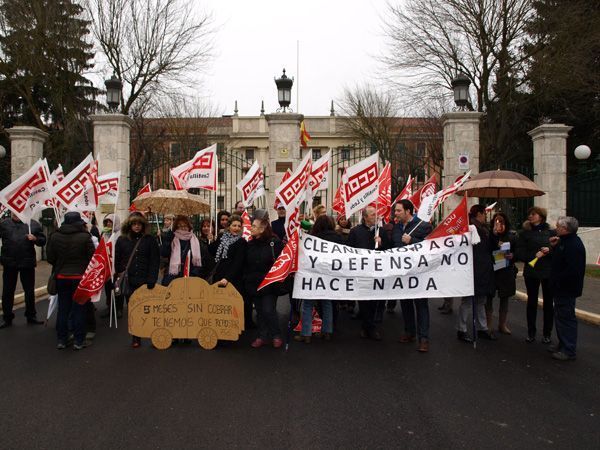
{"type": "Point", "coordinates": [429, 41]}
{"type": "Point", "coordinates": [151, 44]}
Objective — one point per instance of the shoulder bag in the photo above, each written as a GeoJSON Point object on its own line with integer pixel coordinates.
{"type": "Point", "coordinates": [122, 281]}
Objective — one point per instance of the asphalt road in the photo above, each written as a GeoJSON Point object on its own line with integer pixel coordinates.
{"type": "Point", "coordinates": [348, 393]}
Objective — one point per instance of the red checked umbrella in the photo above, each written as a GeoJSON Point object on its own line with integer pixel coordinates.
{"type": "Point", "coordinates": [500, 184]}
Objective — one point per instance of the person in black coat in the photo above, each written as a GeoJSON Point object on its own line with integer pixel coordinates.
{"type": "Point", "coordinates": [228, 252]}
{"type": "Point", "coordinates": [136, 240]}
{"type": "Point", "coordinates": [278, 225]}
{"type": "Point", "coordinates": [261, 252]}
{"type": "Point", "coordinates": [408, 230]}
{"type": "Point", "coordinates": [69, 251]}
{"type": "Point", "coordinates": [533, 247]}
{"type": "Point", "coordinates": [567, 275]}
{"type": "Point", "coordinates": [19, 259]}
{"type": "Point", "coordinates": [364, 235]}
{"type": "Point", "coordinates": [505, 278]}
{"type": "Point", "coordinates": [483, 275]}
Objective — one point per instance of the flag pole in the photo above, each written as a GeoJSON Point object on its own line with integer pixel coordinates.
{"type": "Point", "coordinates": [473, 306]}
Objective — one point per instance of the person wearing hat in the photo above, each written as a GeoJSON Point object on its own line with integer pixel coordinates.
{"type": "Point", "coordinates": [18, 259]}
{"type": "Point", "coordinates": [144, 265]}
{"type": "Point", "coordinates": [70, 250]}
{"type": "Point", "coordinates": [533, 248]}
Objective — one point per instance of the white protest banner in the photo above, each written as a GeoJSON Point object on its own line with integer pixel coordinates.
{"type": "Point", "coordinates": [108, 188]}
{"type": "Point", "coordinates": [252, 185]}
{"type": "Point", "coordinates": [441, 267]}
{"type": "Point", "coordinates": [199, 172]}
{"type": "Point", "coordinates": [28, 193]}
{"type": "Point", "coordinates": [361, 184]}
{"type": "Point", "coordinates": [292, 192]}
{"type": "Point", "coordinates": [77, 191]}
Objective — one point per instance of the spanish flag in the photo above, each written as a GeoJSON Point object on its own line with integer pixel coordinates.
{"type": "Point", "coordinates": [304, 136]}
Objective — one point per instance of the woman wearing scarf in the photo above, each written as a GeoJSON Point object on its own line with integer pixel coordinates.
{"type": "Point", "coordinates": [181, 244]}
{"type": "Point", "coordinates": [229, 250]}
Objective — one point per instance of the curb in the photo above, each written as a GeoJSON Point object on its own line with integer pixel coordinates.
{"type": "Point", "coordinates": [584, 316]}
{"type": "Point", "coordinates": [38, 292]}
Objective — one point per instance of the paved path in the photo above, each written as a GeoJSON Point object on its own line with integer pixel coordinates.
{"type": "Point", "coordinates": [349, 393]}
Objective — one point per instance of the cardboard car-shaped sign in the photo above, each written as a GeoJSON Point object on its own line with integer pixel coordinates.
{"type": "Point", "coordinates": [189, 308]}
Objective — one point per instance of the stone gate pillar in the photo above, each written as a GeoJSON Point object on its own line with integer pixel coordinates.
{"type": "Point", "coordinates": [284, 148]}
{"type": "Point", "coordinates": [550, 167]}
{"type": "Point", "coordinates": [27, 146]}
{"type": "Point", "coordinates": [461, 137]}
{"type": "Point", "coordinates": [111, 146]}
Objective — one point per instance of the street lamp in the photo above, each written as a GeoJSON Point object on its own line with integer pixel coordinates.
{"type": "Point", "coordinates": [113, 92]}
{"type": "Point", "coordinates": [460, 86]}
{"type": "Point", "coordinates": [582, 152]}
{"type": "Point", "coordinates": [2, 152]}
{"type": "Point", "coordinates": [284, 90]}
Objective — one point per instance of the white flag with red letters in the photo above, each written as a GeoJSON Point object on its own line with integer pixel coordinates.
{"type": "Point", "coordinates": [108, 188]}
{"type": "Point", "coordinates": [252, 185]}
{"type": "Point", "coordinates": [77, 191]}
{"type": "Point", "coordinates": [361, 184]}
{"type": "Point", "coordinates": [293, 191]}
{"type": "Point", "coordinates": [199, 172]}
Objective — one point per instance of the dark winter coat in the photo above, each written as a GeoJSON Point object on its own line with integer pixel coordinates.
{"type": "Point", "coordinates": [18, 251]}
{"type": "Point", "coordinates": [568, 267]}
{"type": "Point", "coordinates": [483, 263]}
{"type": "Point", "coordinates": [421, 231]}
{"type": "Point", "coordinates": [258, 260]}
{"type": "Point", "coordinates": [331, 236]}
{"type": "Point", "coordinates": [70, 249]}
{"type": "Point", "coordinates": [505, 279]}
{"type": "Point", "coordinates": [278, 226]}
{"type": "Point", "coordinates": [232, 267]}
{"type": "Point", "coordinates": [361, 236]}
{"type": "Point", "coordinates": [531, 240]}
{"type": "Point", "coordinates": [145, 263]}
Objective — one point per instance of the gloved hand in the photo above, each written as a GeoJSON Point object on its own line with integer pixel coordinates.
{"type": "Point", "coordinates": [150, 285]}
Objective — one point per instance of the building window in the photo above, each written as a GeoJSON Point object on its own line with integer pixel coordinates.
{"type": "Point", "coordinates": [220, 202]}
{"type": "Point", "coordinates": [175, 151]}
{"type": "Point", "coordinates": [249, 155]}
{"type": "Point", "coordinates": [221, 175]}
{"type": "Point", "coordinates": [345, 154]}
{"type": "Point", "coordinates": [282, 166]}
{"type": "Point", "coordinates": [401, 148]}
{"type": "Point", "coordinates": [421, 149]}
{"type": "Point", "coordinates": [316, 153]}
{"type": "Point", "coordinates": [316, 201]}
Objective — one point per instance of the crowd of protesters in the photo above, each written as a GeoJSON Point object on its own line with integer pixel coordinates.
{"type": "Point", "coordinates": [554, 259]}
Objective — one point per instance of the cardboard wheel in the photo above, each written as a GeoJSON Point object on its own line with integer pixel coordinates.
{"type": "Point", "coordinates": [207, 338]}
{"type": "Point", "coordinates": [161, 338]}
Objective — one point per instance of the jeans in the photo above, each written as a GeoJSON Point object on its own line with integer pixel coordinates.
{"type": "Point", "coordinates": [368, 311]}
{"type": "Point", "coordinates": [466, 306]}
{"type": "Point", "coordinates": [266, 316]}
{"type": "Point", "coordinates": [9, 285]}
{"type": "Point", "coordinates": [533, 290]}
{"type": "Point", "coordinates": [68, 309]}
{"type": "Point", "coordinates": [421, 305]}
{"type": "Point", "coordinates": [566, 324]}
{"type": "Point", "coordinates": [327, 308]}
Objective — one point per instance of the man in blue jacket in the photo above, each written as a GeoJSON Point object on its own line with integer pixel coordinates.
{"type": "Point", "coordinates": [568, 273]}
{"type": "Point", "coordinates": [409, 230]}
{"type": "Point", "coordinates": [19, 259]}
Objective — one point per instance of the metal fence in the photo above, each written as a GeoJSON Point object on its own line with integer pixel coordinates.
{"type": "Point", "coordinates": [583, 195]}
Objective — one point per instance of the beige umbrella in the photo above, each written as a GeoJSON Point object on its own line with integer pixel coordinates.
{"type": "Point", "coordinates": [500, 184]}
{"type": "Point", "coordinates": [165, 201]}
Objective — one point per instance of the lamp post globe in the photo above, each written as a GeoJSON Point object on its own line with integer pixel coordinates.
{"type": "Point", "coordinates": [113, 92]}
{"type": "Point", "coordinates": [2, 152]}
{"type": "Point", "coordinates": [460, 86]}
{"type": "Point", "coordinates": [284, 90]}
{"type": "Point", "coordinates": [582, 152]}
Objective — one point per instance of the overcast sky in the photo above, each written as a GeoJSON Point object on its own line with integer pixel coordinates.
{"type": "Point", "coordinates": [255, 40]}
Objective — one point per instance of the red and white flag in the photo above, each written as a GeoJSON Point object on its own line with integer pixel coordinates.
{"type": "Point", "coordinates": [108, 188]}
{"type": "Point", "coordinates": [491, 207]}
{"type": "Point", "coordinates": [28, 193]}
{"type": "Point", "coordinates": [406, 193]}
{"type": "Point", "coordinates": [430, 203]}
{"type": "Point", "coordinates": [252, 185]}
{"type": "Point", "coordinates": [292, 222]}
{"type": "Point", "coordinates": [199, 172]}
{"type": "Point", "coordinates": [457, 222]}
{"type": "Point", "coordinates": [292, 192]}
{"type": "Point", "coordinates": [97, 272]}
{"type": "Point", "coordinates": [286, 263]}
{"type": "Point", "coordinates": [319, 175]}
{"type": "Point", "coordinates": [246, 225]}
{"type": "Point", "coordinates": [361, 184]}
{"type": "Point", "coordinates": [426, 190]}
{"type": "Point", "coordinates": [144, 190]}
{"type": "Point", "coordinates": [286, 175]}
{"type": "Point", "coordinates": [110, 250]}
{"type": "Point", "coordinates": [339, 205]}
{"type": "Point", "coordinates": [384, 199]}
{"type": "Point", "coordinates": [77, 191]}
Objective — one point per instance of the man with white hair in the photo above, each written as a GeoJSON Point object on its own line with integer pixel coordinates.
{"type": "Point", "coordinates": [568, 273]}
